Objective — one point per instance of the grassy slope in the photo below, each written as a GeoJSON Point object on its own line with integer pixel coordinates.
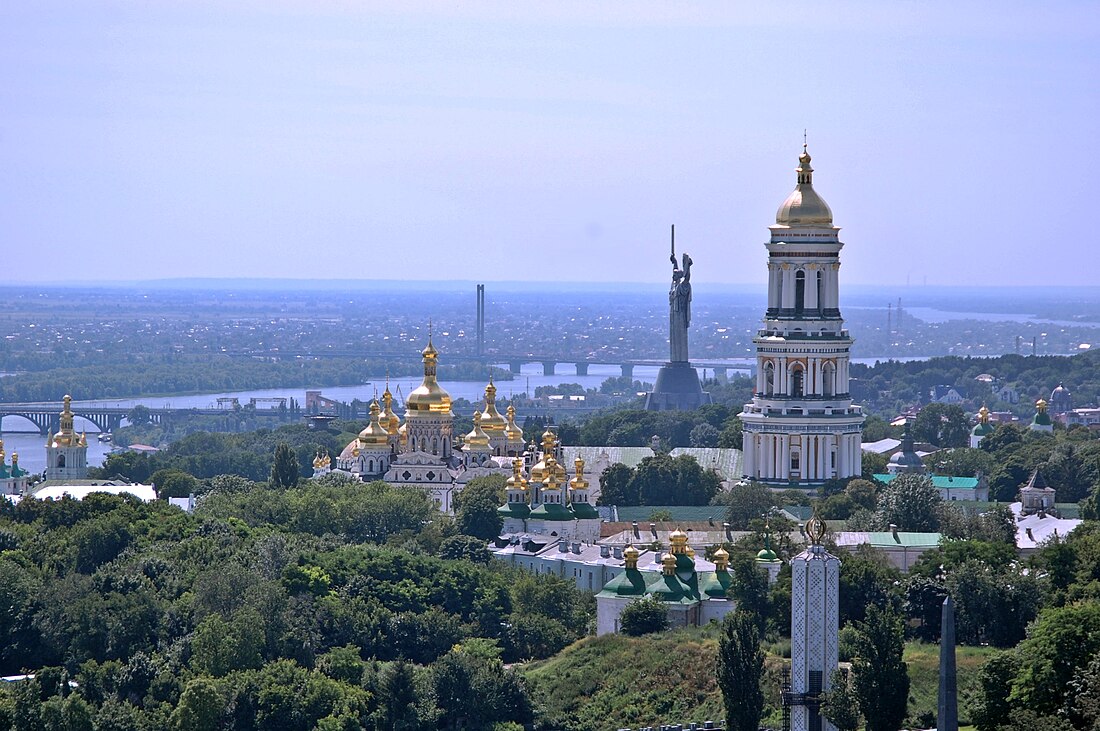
{"type": "Point", "coordinates": [612, 682]}
{"type": "Point", "coordinates": [924, 674]}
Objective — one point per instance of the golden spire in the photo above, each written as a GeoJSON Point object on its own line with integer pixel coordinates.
{"type": "Point", "coordinates": [517, 481]}
{"type": "Point", "coordinates": [551, 482]}
{"type": "Point", "coordinates": [512, 432]}
{"type": "Point", "coordinates": [630, 556]}
{"type": "Point", "coordinates": [477, 439]}
{"type": "Point", "coordinates": [390, 420]}
{"type": "Point", "coordinates": [491, 420]}
{"type": "Point", "coordinates": [678, 540]}
{"type": "Point", "coordinates": [374, 434]}
{"type": "Point", "coordinates": [816, 528]}
{"type": "Point", "coordinates": [721, 559]}
{"type": "Point", "coordinates": [429, 396]}
{"type": "Point", "coordinates": [804, 207]}
{"type": "Point", "coordinates": [578, 482]}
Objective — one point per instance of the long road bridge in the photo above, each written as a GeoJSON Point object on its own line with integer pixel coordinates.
{"type": "Point", "coordinates": [46, 417]}
{"type": "Point", "coordinates": [515, 362]}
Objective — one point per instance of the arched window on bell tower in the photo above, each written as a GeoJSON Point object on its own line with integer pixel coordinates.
{"type": "Point", "coordinates": [799, 292]}
{"type": "Point", "coordinates": [797, 379]}
{"type": "Point", "coordinates": [769, 379]}
{"type": "Point", "coordinates": [828, 379]}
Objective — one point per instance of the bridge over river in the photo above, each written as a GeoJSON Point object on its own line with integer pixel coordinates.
{"type": "Point", "coordinates": [46, 416]}
{"type": "Point", "coordinates": [516, 362]}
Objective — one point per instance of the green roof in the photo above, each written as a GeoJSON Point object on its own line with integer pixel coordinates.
{"type": "Point", "coordinates": [942, 482]}
{"type": "Point", "coordinates": [552, 511]}
{"type": "Point", "coordinates": [629, 583]}
{"type": "Point", "coordinates": [982, 429]}
{"type": "Point", "coordinates": [584, 510]}
{"type": "Point", "coordinates": [715, 583]}
{"type": "Point", "coordinates": [671, 590]}
{"type": "Point", "coordinates": [885, 539]}
{"type": "Point", "coordinates": [514, 510]}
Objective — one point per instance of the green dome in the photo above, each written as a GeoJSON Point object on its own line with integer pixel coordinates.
{"type": "Point", "coordinates": [766, 554]}
{"type": "Point", "coordinates": [628, 583]}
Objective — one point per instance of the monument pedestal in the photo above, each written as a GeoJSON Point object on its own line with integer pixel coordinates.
{"type": "Point", "coordinates": [677, 389]}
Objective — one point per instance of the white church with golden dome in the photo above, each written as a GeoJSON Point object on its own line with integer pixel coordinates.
{"type": "Point", "coordinates": [801, 428]}
{"type": "Point", "coordinates": [424, 453]}
{"type": "Point", "coordinates": [66, 451]}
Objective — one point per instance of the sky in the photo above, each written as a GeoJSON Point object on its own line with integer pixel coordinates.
{"type": "Point", "coordinates": [544, 141]}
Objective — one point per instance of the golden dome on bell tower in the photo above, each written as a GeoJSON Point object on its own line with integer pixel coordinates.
{"type": "Point", "coordinates": [491, 419]}
{"type": "Point", "coordinates": [804, 207]}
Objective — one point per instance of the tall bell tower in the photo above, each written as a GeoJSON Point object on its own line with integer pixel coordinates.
{"type": "Point", "coordinates": [801, 428]}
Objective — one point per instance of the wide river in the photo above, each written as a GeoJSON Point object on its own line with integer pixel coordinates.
{"type": "Point", "coordinates": [31, 446]}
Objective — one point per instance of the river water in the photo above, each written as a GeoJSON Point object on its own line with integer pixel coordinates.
{"type": "Point", "coordinates": [31, 446]}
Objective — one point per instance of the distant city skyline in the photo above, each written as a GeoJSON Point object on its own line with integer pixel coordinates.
{"type": "Point", "coordinates": [488, 141]}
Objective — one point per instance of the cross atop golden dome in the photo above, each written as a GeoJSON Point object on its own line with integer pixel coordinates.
{"type": "Point", "coordinates": [491, 419]}
{"type": "Point", "coordinates": [477, 438]}
{"type": "Point", "coordinates": [578, 482]}
{"type": "Point", "coordinates": [517, 481]}
{"type": "Point", "coordinates": [512, 431]}
{"type": "Point", "coordinates": [374, 434]}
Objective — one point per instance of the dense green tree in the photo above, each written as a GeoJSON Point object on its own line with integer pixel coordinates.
{"type": "Point", "coordinates": [467, 548]}
{"type": "Point", "coordinates": [704, 435]}
{"type": "Point", "coordinates": [201, 707]}
{"type": "Point", "coordinates": [867, 579]}
{"type": "Point", "coordinates": [745, 503]}
{"type": "Point", "coordinates": [732, 435]}
{"type": "Point", "coordinates": [909, 502]}
{"type": "Point", "coordinates": [174, 483]}
{"type": "Point", "coordinates": [840, 707]}
{"type": "Point", "coordinates": [643, 616]}
{"type": "Point", "coordinates": [944, 425]}
{"type": "Point", "coordinates": [740, 670]}
{"type": "Point", "coordinates": [990, 709]}
{"type": "Point", "coordinates": [285, 470]}
{"type": "Point", "coordinates": [880, 678]}
{"type": "Point", "coordinates": [749, 587]}
{"type": "Point", "coordinates": [476, 507]}
{"type": "Point", "coordinates": [397, 697]}
{"type": "Point", "coordinates": [617, 486]}
{"type": "Point", "coordinates": [1062, 642]}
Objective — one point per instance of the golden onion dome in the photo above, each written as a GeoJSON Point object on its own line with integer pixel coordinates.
{"type": "Point", "coordinates": [429, 396]}
{"type": "Point", "coordinates": [552, 481]}
{"type": "Point", "coordinates": [578, 482]}
{"type": "Point", "coordinates": [517, 481]}
{"type": "Point", "coordinates": [668, 564]}
{"type": "Point", "coordinates": [538, 470]}
{"type": "Point", "coordinates": [511, 430]}
{"type": "Point", "coordinates": [804, 207]}
{"type": "Point", "coordinates": [491, 419]}
{"type": "Point", "coordinates": [477, 439]}
{"type": "Point", "coordinates": [65, 436]}
{"type": "Point", "coordinates": [630, 555]}
{"type": "Point", "coordinates": [721, 559]}
{"type": "Point", "coordinates": [679, 541]}
{"type": "Point", "coordinates": [390, 420]}
{"type": "Point", "coordinates": [374, 435]}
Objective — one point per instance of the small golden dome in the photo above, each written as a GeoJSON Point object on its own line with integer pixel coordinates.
{"type": "Point", "coordinates": [721, 558]}
{"type": "Point", "coordinates": [539, 470]}
{"type": "Point", "coordinates": [374, 435]}
{"type": "Point", "coordinates": [1041, 405]}
{"type": "Point", "coordinates": [630, 556]}
{"type": "Point", "coordinates": [517, 481]}
{"type": "Point", "coordinates": [804, 207]}
{"type": "Point", "coordinates": [668, 564]}
{"type": "Point", "coordinates": [491, 419]}
{"type": "Point", "coordinates": [429, 396]}
{"type": "Point", "coordinates": [578, 482]}
{"type": "Point", "coordinates": [552, 481]}
{"type": "Point", "coordinates": [983, 415]}
{"type": "Point", "coordinates": [390, 420]}
{"type": "Point", "coordinates": [678, 539]}
{"type": "Point", "coordinates": [477, 439]}
{"type": "Point", "coordinates": [512, 431]}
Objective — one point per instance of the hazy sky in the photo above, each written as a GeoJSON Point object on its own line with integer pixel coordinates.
{"type": "Point", "coordinates": [955, 142]}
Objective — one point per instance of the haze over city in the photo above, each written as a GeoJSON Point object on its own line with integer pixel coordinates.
{"type": "Point", "coordinates": [542, 142]}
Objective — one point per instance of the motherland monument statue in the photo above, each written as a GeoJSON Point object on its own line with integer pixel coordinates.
{"type": "Point", "coordinates": [677, 386]}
